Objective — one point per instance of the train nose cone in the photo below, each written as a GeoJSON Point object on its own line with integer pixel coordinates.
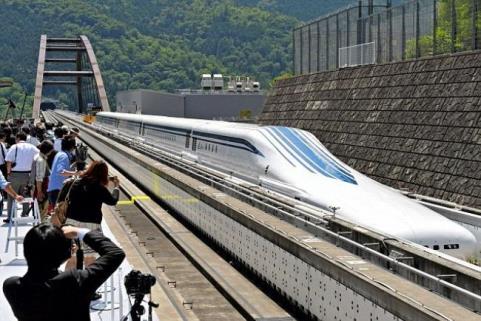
{"type": "Point", "coordinates": [451, 238]}
{"type": "Point", "coordinates": [468, 246]}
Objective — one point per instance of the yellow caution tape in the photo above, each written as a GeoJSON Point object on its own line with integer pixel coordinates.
{"type": "Point", "coordinates": [133, 199]}
{"type": "Point", "coordinates": [189, 200]}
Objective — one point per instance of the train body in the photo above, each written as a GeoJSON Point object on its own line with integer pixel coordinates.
{"type": "Point", "coordinates": [294, 163]}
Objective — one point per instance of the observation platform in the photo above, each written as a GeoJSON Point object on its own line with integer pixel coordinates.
{"type": "Point", "coordinates": [101, 310]}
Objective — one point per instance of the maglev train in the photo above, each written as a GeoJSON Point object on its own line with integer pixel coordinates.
{"type": "Point", "coordinates": [294, 163]}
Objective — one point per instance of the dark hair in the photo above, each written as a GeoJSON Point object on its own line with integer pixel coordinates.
{"type": "Point", "coordinates": [26, 130]}
{"type": "Point", "coordinates": [45, 147]}
{"type": "Point", "coordinates": [51, 157]}
{"type": "Point", "coordinates": [97, 172]}
{"type": "Point", "coordinates": [21, 136]}
{"type": "Point", "coordinates": [45, 247]}
{"type": "Point", "coordinates": [8, 131]}
{"type": "Point", "coordinates": [2, 135]}
{"type": "Point", "coordinates": [10, 141]}
{"type": "Point", "coordinates": [40, 134]}
{"type": "Point", "coordinates": [68, 143]}
{"type": "Point", "coordinates": [58, 132]}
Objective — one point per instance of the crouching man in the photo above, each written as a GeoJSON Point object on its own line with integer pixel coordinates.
{"type": "Point", "coordinates": [44, 293]}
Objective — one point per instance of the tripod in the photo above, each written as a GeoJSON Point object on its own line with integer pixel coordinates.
{"type": "Point", "coordinates": [137, 309]}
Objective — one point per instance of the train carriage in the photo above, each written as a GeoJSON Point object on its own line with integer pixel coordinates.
{"type": "Point", "coordinates": [294, 163]}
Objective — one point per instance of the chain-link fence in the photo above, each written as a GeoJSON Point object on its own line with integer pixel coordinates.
{"type": "Point", "coordinates": [414, 29]}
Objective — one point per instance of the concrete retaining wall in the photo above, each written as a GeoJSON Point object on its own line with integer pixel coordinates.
{"type": "Point", "coordinates": [413, 125]}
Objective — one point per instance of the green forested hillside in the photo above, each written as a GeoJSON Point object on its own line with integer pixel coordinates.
{"type": "Point", "coordinates": [301, 9]}
{"type": "Point", "coordinates": [156, 44]}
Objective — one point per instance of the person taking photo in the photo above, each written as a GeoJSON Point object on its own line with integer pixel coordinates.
{"type": "Point", "coordinates": [44, 293]}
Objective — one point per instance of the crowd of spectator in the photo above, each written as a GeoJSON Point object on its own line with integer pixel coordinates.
{"type": "Point", "coordinates": [36, 159]}
{"type": "Point", "coordinates": [46, 163]}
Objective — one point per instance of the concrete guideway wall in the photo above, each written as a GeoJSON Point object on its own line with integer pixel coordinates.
{"type": "Point", "coordinates": [413, 125]}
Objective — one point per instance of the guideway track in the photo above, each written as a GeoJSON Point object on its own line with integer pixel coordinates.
{"type": "Point", "coordinates": [382, 291]}
{"type": "Point", "coordinates": [206, 287]}
{"type": "Point", "coordinates": [459, 283]}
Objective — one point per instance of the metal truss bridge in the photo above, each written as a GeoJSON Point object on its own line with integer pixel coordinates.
{"type": "Point", "coordinates": [76, 66]}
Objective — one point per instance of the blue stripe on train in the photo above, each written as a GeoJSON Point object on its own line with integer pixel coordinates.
{"type": "Point", "coordinates": [279, 140]}
{"type": "Point", "coordinates": [294, 148]}
{"type": "Point", "coordinates": [324, 166]}
{"type": "Point", "coordinates": [323, 152]}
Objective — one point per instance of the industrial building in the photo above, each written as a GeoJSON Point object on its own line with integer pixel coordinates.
{"type": "Point", "coordinates": [240, 100]}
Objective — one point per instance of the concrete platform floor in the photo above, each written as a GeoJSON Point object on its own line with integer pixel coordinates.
{"type": "Point", "coordinates": [12, 265]}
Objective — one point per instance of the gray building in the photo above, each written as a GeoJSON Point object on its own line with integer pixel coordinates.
{"type": "Point", "coordinates": [192, 104]}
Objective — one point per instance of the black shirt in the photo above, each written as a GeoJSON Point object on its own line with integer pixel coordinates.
{"type": "Point", "coordinates": [86, 200]}
{"type": "Point", "coordinates": [54, 296]}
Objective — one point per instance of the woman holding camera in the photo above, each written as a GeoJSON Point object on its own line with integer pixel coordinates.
{"type": "Point", "coordinates": [86, 196]}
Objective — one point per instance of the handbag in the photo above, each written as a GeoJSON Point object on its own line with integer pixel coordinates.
{"type": "Point", "coordinates": [59, 215]}
{"type": "Point", "coordinates": [3, 167]}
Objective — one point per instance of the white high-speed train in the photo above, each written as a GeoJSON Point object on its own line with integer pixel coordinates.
{"type": "Point", "coordinates": [293, 162]}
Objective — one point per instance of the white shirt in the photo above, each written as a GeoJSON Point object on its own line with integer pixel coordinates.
{"type": "Point", "coordinates": [40, 168]}
{"type": "Point", "coordinates": [57, 144]}
{"type": "Point", "coordinates": [81, 232]}
{"type": "Point", "coordinates": [32, 140]}
{"type": "Point", "coordinates": [25, 155]}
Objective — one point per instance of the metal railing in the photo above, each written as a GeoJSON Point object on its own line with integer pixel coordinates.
{"type": "Point", "coordinates": [357, 55]}
{"type": "Point", "coordinates": [417, 28]}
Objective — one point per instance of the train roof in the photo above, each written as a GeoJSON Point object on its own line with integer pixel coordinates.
{"type": "Point", "coordinates": [151, 119]}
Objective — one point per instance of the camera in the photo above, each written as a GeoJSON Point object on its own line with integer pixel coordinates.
{"type": "Point", "coordinates": [138, 283]}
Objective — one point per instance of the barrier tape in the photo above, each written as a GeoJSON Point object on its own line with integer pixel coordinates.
{"type": "Point", "coordinates": [133, 199]}
{"type": "Point", "coordinates": [165, 197]}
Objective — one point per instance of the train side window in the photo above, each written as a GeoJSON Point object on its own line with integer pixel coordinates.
{"type": "Point", "coordinates": [436, 247]}
{"type": "Point", "coordinates": [194, 144]}
{"type": "Point", "coordinates": [451, 246]}
{"type": "Point", "coordinates": [187, 141]}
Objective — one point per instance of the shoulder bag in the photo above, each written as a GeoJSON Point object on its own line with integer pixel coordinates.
{"type": "Point", "coordinates": [3, 167]}
{"type": "Point", "coordinates": [59, 215]}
